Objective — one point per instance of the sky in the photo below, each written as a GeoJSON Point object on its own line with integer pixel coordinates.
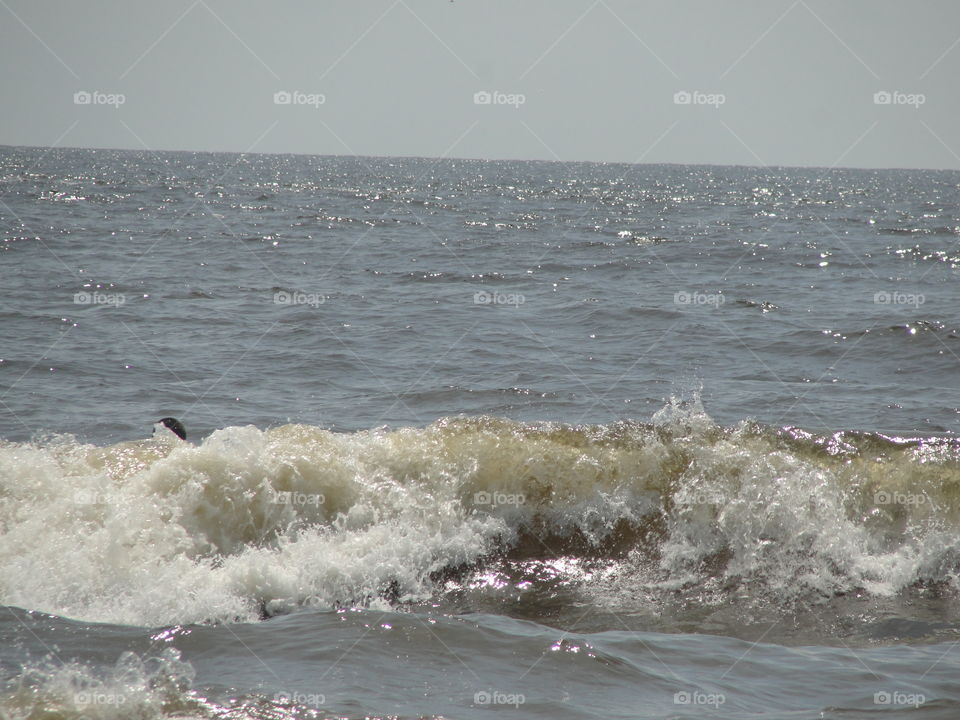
{"type": "Point", "coordinates": [857, 83]}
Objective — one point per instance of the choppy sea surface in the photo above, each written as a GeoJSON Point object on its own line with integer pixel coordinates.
{"type": "Point", "coordinates": [552, 440]}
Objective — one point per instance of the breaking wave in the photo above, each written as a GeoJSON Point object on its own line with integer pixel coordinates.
{"type": "Point", "coordinates": [257, 522]}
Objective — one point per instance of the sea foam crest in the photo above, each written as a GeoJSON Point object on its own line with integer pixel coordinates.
{"type": "Point", "coordinates": [257, 521]}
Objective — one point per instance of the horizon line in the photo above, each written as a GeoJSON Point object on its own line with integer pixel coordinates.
{"type": "Point", "coordinates": [436, 158]}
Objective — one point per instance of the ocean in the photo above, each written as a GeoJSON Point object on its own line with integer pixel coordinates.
{"type": "Point", "coordinates": [554, 440]}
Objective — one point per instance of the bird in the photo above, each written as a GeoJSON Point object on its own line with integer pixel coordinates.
{"type": "Point", "coordinates": [173, 425]}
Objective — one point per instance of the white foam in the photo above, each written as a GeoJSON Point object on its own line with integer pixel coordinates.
{"type": "Point", "coordinates": [153, 533]}
{"type": "Point", "coordinates": [143, 688]}
{"type": "Point", "coordinates": [144, 535]}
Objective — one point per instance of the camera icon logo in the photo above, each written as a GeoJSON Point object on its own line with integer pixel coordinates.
{"type": "Point", "coordinates": [482, 97]}
{"type": "Point", "coordinates": [282, 97]}
{"type": "Point", "coordinates": [86, 497]}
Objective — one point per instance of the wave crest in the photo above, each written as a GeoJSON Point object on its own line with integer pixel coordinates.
{"type": "Point", "coordinates": [261, 521]}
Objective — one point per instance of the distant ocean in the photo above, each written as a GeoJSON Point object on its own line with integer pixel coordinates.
{"type": "Point", "coordinates": [469, 437]}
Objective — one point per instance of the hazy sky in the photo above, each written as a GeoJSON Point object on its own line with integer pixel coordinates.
{"type": "Point", "coordinates": [765, 82]}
